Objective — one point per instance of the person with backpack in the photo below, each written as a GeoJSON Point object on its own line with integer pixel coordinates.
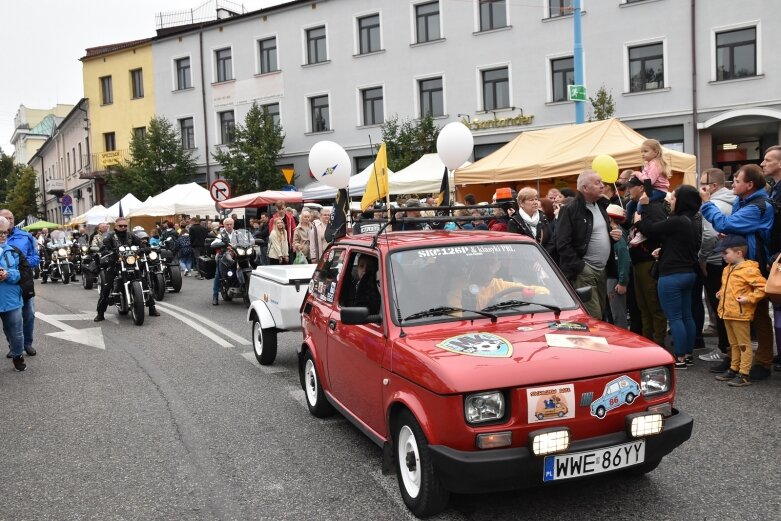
{"type": "Point", "coordinates": [771, 167]}
{"type": "Point", "coordinates": [28, 246]}
{"type": "Point", "coordinates": [11, 297]}
{"type": "Point", "coordinates": [752, 217]}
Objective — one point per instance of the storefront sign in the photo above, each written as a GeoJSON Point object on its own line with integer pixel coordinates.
{"type": "Point", "coordinates": [514, 121]}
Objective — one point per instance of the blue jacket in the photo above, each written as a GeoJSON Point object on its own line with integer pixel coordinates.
{"type": "Point", "coordinates": [10, 292]}
{"type": "Point", "coordinates": [26, 243]}
{"type": "Point", "coordinates": [746, 220]}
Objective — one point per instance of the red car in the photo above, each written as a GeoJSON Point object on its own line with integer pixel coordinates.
{"type": "Point", "coordinates": [471, 361]}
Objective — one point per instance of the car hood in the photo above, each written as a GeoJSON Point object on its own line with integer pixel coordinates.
{"type": "Point", "coordinates": [433, 355]}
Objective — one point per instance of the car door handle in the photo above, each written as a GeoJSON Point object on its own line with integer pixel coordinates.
{"type": "Point", "coordinates": [332, 324]}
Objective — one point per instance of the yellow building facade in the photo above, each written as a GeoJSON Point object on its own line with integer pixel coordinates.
{"type": "Point", "coordinates": [119, 84]}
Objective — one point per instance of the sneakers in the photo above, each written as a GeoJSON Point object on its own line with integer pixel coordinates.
{"type": "Point", "coordinates": [723, 366]}
{"type": "Point", "coordinates": [688, 360]}
{"type": "Point", "coordinates": [680, 363]}
{"type": "Point", "coordinates": [759, 372]}
{"type": "Point", "coordinates": [637, 239]}
{"type": "Point", "coordinates": [153, 312]}
{"type": "Point", "coordinates": [727, 375]}
{"type": "Point", "coordinates": [710, 331]}
{"type": "Point", "coordinates": [19, 364]}
{"type": "Point", "coordinates": [30, 350]}
{"type": "Point", "coordinates": [714, 355]}
{"type": "Point", "coordinates": [740, 380]}
{"type": "Point", "coordinates": [99, 318]}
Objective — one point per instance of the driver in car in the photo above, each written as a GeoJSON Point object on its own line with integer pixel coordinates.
{"type": "Point", "coordinates": [481, 286]}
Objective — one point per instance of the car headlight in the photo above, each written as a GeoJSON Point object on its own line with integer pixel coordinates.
{"type": "Point", "coordinates": [654, 381]}
{"type": "Point", "coordinates": [130, 259]}
{"type": "Point", "coordinates": [484, 407]}
{"type": "Point", "coordinates": [153, 255]}
{"type": "Point", "coordinates": [62, 252]}
{"type": "Point", "coordinates": [240, 251]}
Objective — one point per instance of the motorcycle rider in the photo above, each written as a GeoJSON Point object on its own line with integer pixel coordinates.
{"type": "Point", "coordinates": [225, 235]}
{"type": "Point", "coordinates": [96, 239]}
{"type": "Point", "coordinates": [120, 237]}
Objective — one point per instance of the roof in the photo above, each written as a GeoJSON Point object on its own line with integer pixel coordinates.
{"type": "Point", "coordinates": [430, 238]}
{"type": "Point", "coordinates": [92, 52]}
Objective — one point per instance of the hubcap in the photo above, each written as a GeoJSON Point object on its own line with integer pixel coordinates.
{"type": "Point", "coordinates": [257, 338]}
{"type": "Point", "coordinates": [310, 377]}
{"type": "Point", "coordinates": [409, 461]}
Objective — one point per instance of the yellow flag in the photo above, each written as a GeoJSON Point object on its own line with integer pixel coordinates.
{"type": "Point", "coordinates": [377, 186]}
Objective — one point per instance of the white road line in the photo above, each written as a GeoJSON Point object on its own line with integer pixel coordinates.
{"type": "Point", "coordinates": [51, 319]}
{"type": "Point", "coordinates": [202, 330]}
{"type": "Point", "coordinates": [268, 369]}
{"type": "Point", "coordinates": [205, 321]}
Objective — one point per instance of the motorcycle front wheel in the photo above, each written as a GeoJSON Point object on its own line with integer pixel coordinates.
{"type": "Point", "coordinates": [65, 271]}
{"type": "Point", "coordinates": [159, 286]}
{"type": "Point", "coordinates": [86, 279]}
{"type": "Point", "coordinates": [124, 305]}
{"type": "Point", "coordinates": [176, 278]}
{"type": "Point", "coordinates": [137, 303]}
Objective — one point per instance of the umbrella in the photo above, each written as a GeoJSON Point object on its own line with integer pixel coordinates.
{"type": "Point", "coordinates": [264, 198]}
{"type": "Point", "coordinates": [40, 225]}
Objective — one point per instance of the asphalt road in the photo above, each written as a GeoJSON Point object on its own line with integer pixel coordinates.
{"type": "Point", "coordinates": [176, 420]}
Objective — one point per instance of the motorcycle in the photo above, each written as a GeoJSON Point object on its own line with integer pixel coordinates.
{"type": "Point", "coordinates": [236, 264]}
{"type": "Point", "coordinates": [128, 293]}
{"type": "Point", "coordinates": [153, 259]}
{"type": "Point", "coordinates": [60, 266]}
{"type": "Point", "coordinates": [88, 277]}
{"type": "Point", "coordinates": [171, 270]}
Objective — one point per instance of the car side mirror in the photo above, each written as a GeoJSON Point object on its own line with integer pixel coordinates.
{"type": "Point", "coordinates": [584, 294]}
{"type": "Point", "coordinates": [359, 315]}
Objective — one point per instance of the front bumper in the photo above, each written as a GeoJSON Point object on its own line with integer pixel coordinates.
{"type": "Point", "coordinates": [465, 472]}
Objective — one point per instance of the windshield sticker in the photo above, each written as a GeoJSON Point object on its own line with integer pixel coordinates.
{"type": "Point", "coordinates": [589, 343]}
{"type": "Point", "coordinates": [622, 390]}
{"type": "Point", "coordinates": [467, 250]}
{"type": "Point", "coordinates": [550, 403]}
{"type": "Point", "coordinates": [568, 326]}
{"type": "Point", "coordinates": [478, 344]}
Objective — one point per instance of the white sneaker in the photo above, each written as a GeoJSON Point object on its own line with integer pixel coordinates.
{"type": "Point", "coordinates": [713, 355]}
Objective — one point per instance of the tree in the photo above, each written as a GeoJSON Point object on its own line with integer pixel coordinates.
{"type": "Point", "coordinates": [157, 162]}
{"type": "Point", "coordinates": [250, 160]}
{"type": "Point", "coordinates": [6, 172]}
{"type": "Point", "coordinates": [22, 196]}
{"type": "Point", "coordinates": [406, 141]}
{"type": "Point", "coordinates": [603, 104]}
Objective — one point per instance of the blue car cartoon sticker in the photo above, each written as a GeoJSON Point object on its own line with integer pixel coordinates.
{"type": "Point", "coordinates": [478, 344]}
{"type": "Point", "coordinates": [617, 392]}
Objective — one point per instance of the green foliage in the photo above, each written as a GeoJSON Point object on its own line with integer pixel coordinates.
{"type": "Point", "coordinates": [249, 162]}
{"type": "Point", "coordinates": [6, 171]}
{"type": "Point", "coordinates": [406, 141]}
{"type": "Point", "coordinates": [603, 103]}
{"type": "Point", "coordinates": [21, 196]}
{"type": "Point", "coordinates": [157, 163]}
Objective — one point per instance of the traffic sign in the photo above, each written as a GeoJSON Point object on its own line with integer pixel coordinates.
{"type": "Point", "coordinates": [577, 93]}
{"type": "Point", "coordinates": [67, 210]}
{"type": "Point", "coordinates": [220, 190]}
{"type": "Point", "coordinates": [66, 200]}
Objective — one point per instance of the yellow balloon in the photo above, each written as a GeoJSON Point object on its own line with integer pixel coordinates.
{"type": "Point", "coordinates": [606, 167]}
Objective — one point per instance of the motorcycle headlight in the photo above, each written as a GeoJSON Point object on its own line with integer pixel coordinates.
{"type": "Point", "coordinates": [54, 256]}
{"type": "Point", "coordinates": [130, 259]}
{"type": "Point", "coordinates": [153, 255]}
{"type": "Point", "coordinates": [484, 407]}
{"type": "Point", "coordinates": [134, 248]}
{"type": "Point", "coordinates": [654, 381]}
{"type": "Point", "coordinates": [62, 252]}
{"type": "Point", "coordinates": [240, 251]}
{"type": "Point", "coordinates": [84, 249]}
{"type": "Point", "coordinates": [122, 248]}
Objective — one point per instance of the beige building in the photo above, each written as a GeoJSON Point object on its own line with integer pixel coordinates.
{"type": "Point", "coordinates": [32, 127]}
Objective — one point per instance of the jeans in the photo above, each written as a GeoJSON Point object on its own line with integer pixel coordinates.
{"type": "Point", "coordinates": [216, 284]}
{"type": "Point", "coordinates": [186, 263]}
{"type": "Point", "coordinates": [14, 333]}
{"type": "Point", "coordinates": [675, 296]}
{"type": "Point", "coordinates": [28, 316]}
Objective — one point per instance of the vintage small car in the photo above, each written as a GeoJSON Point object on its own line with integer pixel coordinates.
{"type": "Point", "coordinates": [444, 346]}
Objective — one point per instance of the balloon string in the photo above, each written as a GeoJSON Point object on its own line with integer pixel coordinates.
{"type": "Point", "coordinates": [615, 191]}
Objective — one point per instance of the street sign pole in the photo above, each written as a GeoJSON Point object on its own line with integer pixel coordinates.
{"type": "Point", "coordinates": [580, 106]}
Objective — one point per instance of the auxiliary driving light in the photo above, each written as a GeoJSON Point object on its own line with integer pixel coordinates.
{"type": "Point", "coordinates": [644, 424]}
{"type": "Point", "coordinates": [549, 441]}
{"type": "Point", "coordinates": [494, 440]}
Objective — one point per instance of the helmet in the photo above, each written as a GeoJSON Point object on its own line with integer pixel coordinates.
{"type": "Point", "coordinates": [139, 232]}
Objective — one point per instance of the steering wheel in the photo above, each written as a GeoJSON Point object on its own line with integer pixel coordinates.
{"type": "Point", "coordinates": [498, 297]}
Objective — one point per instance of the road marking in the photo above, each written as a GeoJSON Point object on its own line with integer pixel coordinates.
{"type": "Point", "coordinates": [202, 330]}
{"type": "Point", "coordinates": [268, 369]}
{"type": "Point", "coordinates": [233, 336]}
{"type": "Point", "coordinates": [92, 336]}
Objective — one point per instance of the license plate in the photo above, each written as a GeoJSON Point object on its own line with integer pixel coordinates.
{"type": "Point", "coordinates": [577, 464]}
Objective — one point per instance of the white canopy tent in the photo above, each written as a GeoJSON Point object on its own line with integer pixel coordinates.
{"type": "Point", "coordinates": [317, 190]}
{"type": "Point", "coordinates": [95, 215]}
{"type": "Point", "coordinates": [422, 176]}
{"type": "Point", "coordinates": [188, 199]}
{"type": "Point", "coordinates": [129, 203]}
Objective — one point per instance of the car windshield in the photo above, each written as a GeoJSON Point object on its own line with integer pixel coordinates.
{"type": "Point", "coordinates": [502, 279]}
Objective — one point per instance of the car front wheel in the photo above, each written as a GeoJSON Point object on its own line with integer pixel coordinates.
{"type": "Point", "coordinates": [315, 397]}
{"type": "Point", "coordinates": [420, 488]}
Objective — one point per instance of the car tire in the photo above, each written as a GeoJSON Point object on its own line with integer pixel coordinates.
{"type": "Point", "coordinates": [643, 468]}
{"type": "Point", "coordinates": [264, 343]}
{"type": "Point", "coordinates": [313, 390]}
{"type": "Point", "coordinates": [630, 397]}
{"type": "Point", "coordinates": [420, 487]}
{"type": "Point", "coordinates": [600, 412]}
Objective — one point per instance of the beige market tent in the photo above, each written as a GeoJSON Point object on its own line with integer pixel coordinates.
{"type": "Point", "coordinates": [566, 151]}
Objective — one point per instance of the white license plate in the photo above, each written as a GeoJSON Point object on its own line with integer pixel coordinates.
{"type": "Point", "coordinates": [577, 464]}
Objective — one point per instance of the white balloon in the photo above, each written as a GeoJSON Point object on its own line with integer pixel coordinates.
{"type": "Point", "coordinates": [330, 164]}
{"type": "Point", "coordinates": [455, 144]}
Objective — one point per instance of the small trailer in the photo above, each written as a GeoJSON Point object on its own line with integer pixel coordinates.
{"type": "Point", "coordinates": [276, 294]}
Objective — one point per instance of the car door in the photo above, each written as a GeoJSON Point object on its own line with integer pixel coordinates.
{"type": "Point", "coordinates": [355, 354]}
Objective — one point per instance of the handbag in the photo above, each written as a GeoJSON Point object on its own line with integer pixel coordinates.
{"type": "Point", "coordinates": [773, 285]}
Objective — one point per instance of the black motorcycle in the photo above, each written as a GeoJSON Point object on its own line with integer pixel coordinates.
{"type": "Point", "coordinates": [153, 258]}
{"type": "Point", "coordinates": [236, 264]}
{"type": "Point", "coordinates": [129, 293]}
{"type": "Point", "coordinates": [60, 263]}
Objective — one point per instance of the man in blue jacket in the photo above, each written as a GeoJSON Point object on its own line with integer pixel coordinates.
{"type": "Point", "coordinates": [751, 217]}
{"type": "Point", "coordinates": [11, 296]}
{"type": "Point", "coordinates": [29, 247]}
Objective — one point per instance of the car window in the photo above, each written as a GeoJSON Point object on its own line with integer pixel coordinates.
{"type": "Point", "coordinates": [474, 276]}
{"type": "Point", "coordinates": [326, 275]}
{"type": "Point", "coordinates": [360, 287]}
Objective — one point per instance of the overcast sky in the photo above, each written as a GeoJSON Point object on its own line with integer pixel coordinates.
{"type": "Point", "coordinates": [41, 42]}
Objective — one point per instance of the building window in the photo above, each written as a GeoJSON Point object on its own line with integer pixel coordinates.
{"type": "Point", "coordinates": [224, 64]}
{"type": "Point", "coordinates": [73, 155]}
{"type": "Point", "coordinates": [496, 89]}
{"type": "Point", "coordinates": [137, 83]}
{"type": "Point", "coordinates": [109, 141]}
{"type": "Point", "coordinates": [493, 14]}
{"type": "Point", "coordinates": [68, 161]}
{"type": "Point", "coordinates": [427, 22]}
{"type": "Point", "coordinates": [369, 34]}
{"type": "Point", "coordinates": [183, 79]}
{"type": "Point", "coordinates": [273, 110]}
{"type": "Point", "coordinates": [139, 133]}
{"type": "Point", "coordinates": [646, 67]}
{"type": "Point", "coordinates": [432, 100]}
{"type": "Point", "coordinates": [736, 54]}
{"type": "Point", "coordinates": [319, 112]}
{"type": "Point", "coordinates": [106, 91]}
{"type": "Point", "coordinates": [81, 158]}
{"type": "Point", "coordinates": [268, 55]}
{"type": "Point", "coordinates": [315, 45]}
{"type": "Point", "coordinates": [372, 106]}
{"type": "Point", "coordinates": [187, 132]}
{"type": "Point", "coordinates": [363, 162]}
{"type": "Point", "coordinates": [563, 75]}
{"type": "Point", "coordinates": [560, 8]}
{"type": "Point", "coordinates": [227, 127]}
